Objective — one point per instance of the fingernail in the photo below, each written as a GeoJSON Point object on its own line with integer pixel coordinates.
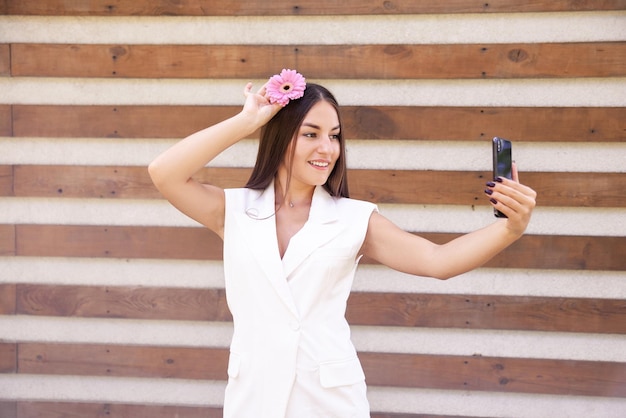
{"type": "Point", "coordinates": [488, 191]}
{"type": "Point", "coordinates": [490, 184]}
{"type": "Point", "coordinates": [499, 179]}
{"type": "Point", "coordinates": [492, 200]}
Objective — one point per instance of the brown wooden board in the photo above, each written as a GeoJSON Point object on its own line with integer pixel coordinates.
{"type": "Point", "coordinates": [6, 121]}
{"type": "Point", "coordinates": [7, 239]}
{"type": "Point", "coordinates": [8, 409]}
{"type": "Point", "coordinates": [287, 7]}
{"type": "Point", "coordinates": [547, 124]}
{"type": "Point", "coordinates": [521, 375]}
{"type": "Point", "coordinates": [5, 60]}
{"type": "Point", "coordinates": [529, 252]}
{"type": "Point", "coordinates": [112, 410]}
{"type": "Point", "coordinates": [364, 308]}
{"type": "Point", "coordinates": [454, 61]}
{"type": "Point", "coordinates": [123, 302]}
{"type": "Point", "coordinates": [118, 242]}
{"type": "Point", "coordinates": [556, 377]}
{"type": "Point", "coordinates": [117, 410]}
{"type": "Point", "coordinates": [377, 186]}
{"type": "Point", "coordinates": [7, 298]}
{"type": "Point", "coordinates": [120, 360]}
{"type": "Point", "coordinates": [6, 180]}
{"type": "Point", "coordinates": [8, 357]}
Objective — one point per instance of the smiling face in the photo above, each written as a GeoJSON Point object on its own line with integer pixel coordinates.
{"type": "Point", "coordinates": [317, 148]}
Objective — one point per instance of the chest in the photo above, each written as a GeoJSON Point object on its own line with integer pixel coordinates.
{"type": "Point", "coordinates": [289, 221]}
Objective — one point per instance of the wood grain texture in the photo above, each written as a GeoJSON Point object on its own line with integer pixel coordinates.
{"type": "Point", "coordinates": [529, 252]}
{"type": "Point", "coordinates": [466, 61]}
{"type": "Point", "coordinates": [7, 239]}
{"type": "Point", "coordinates": [377, 186]}
{"type": "Point", "coordinates": [549, 124]}
{"type": "Point", "coordinates": [7, 298]}
{"type": "Point", "coordinates": [112, 410]}
{"type": "Point", "coordinates": [6, 180]}
{"type": "Point", "coordinates": [8, 357]}
{"type": "Point", "coordinates": [117, 410]}
{"type": "Point", "coordinates": [5, 60]}
{"type": "Point", "coordinates": [605, 316]}
{"type": "Point", "coordinates": [556, 377]}
{"type": "Point", "coordinates": [6, 120]}
{"type": "Point", "coordinates": [286, 7]}
{"type": "Point", "coordinates": [8, 409]}
{"type": "Point", "coordinates": [494, 374]}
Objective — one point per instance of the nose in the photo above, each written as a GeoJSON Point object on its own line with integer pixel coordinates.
{"type": "Point", "coordinates": [325, 144]}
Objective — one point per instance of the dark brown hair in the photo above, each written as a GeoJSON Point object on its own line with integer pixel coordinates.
{"type": "Point", "coordinates": [282, 129]}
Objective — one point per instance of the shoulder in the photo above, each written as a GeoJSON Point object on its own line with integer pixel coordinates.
{"type": "Point", "coordinates": [354, 209]}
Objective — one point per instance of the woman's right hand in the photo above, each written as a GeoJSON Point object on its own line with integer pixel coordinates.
{"type": "Point", "coordinates": [257, 107]}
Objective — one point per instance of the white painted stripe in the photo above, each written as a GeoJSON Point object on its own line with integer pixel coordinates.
{"type": "Point", "coordinates": [494, 92]}
{"type": "Point", "coordinates": [496, 405]}
{"type": "Point", "coordinates": [422, 218]}
{"type": "Point", "coordinates": [370, 278]}
{"type": "Point", "coordinates": [599, 157]}
{"type": "Point", "coordinates": [459, 342]}
{"type": "Point", "coordinates": [306, 30]}
{"type": "Point", "coordinates": [21, 387]}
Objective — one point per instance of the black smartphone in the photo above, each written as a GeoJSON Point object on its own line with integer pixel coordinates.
{"type": "Point", "coordinates": [502, 161]}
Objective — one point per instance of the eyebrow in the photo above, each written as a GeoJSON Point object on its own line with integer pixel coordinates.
{"type": "Point", "coordinates": [312, 125]}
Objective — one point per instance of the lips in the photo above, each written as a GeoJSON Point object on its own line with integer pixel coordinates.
{"type": "Point", "coordinates": [319, 163]}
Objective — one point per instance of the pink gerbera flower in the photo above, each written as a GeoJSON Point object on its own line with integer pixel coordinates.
{"type": "Point", "coordinates": [288, 85]}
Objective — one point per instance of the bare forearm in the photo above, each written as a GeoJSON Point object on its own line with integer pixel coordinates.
{"type": "Point", "coordinates": [472, 250]}
{"type": "Point", "coordinates": [184, 159]}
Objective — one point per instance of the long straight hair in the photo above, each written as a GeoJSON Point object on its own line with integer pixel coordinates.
{"type": "Point", "coordinates": [278, 133]}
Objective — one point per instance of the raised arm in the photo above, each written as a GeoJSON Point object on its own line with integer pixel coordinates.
{"type": "Point", "coordinates": [172, 171]}
{"type": "Point", "coordinates": [409, 253]}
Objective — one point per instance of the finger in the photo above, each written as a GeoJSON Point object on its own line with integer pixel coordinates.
{"type": "Point", "coordinates": [247, 89]}
{"type": "Point", "coordinates": [514, 172]}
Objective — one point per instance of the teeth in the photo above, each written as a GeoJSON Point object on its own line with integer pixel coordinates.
{"type": "Point", "coordinates": [318, 163]}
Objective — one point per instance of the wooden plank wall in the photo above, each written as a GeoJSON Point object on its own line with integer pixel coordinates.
{"type": "Point", "coordinates": [112, 303]}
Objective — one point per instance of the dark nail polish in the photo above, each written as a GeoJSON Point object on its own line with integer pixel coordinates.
{"type": "Point", "coordinates": [488, 191]}
{"type": "Point", "coordinates": [492, 200]}
{"type": "Point", "coordinates": [490, 184]}
{"type": "Point", "coordinates": [499, 179]}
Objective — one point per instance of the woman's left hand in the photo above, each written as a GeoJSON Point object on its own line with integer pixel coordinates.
{"type": "Point", "coordinates": [513, 199]}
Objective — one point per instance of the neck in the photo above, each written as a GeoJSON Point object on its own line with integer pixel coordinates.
{"type": "Point", "coordinates": [291, 196]}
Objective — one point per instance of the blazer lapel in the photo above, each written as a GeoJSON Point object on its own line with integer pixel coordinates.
{"type": "Point", "coordinates": [321, 227]}
{"type": "Point", "coordinates": [260, 221]}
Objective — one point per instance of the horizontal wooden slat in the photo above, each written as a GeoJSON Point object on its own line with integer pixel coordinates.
{"type": "Point", "coordinates": [7, 239]}
{"type": "Point", "coordinates": [530, 252]}
{"type": "Point", "coordinates": [540, 60]}
{"type": "Point", "coordinates": [112, 410]}
{"type": "Point", "coordinates": [8, 357]}
{"type": "Point", "coordinates": [557, 377]}
{"type": "Point", "coordinates": [6, 180]}
{"type": "Point", "coordinates": [287, 7]}
{"type": "Point", "coordinates": [5, 60]}
{"type": "Point", "coordinates": [364, 308]}
{"type": "Point", "coordinates": [563, 377]}
{"type": "Point", "coordinates": [8, 409]}
{"type": "Point", "coordinates": [550, 124]}
{"type": "Point", "coordinates": [6, 120]}
{"type": "Point", "coordinates": [116, 410]}
{"type": "Point", "coordinates": [118, 242]}
{"type": "Point", "coordinates": [118, 360]}
{"type": "Point", "coordinates": [378, 186]}
{"type": "Point", "coordinates": [7, 298]}
{"type": "Point", "coordinates": [123, 302]}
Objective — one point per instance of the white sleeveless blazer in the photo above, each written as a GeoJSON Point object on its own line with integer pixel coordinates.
{"type": "Point", "coordinates": [289, 314]}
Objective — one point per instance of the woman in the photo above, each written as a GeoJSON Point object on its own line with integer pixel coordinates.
{"type": "Point", "coordinates": [292, 241]}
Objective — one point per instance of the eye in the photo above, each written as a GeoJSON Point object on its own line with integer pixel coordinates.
{"type": "Point", "coordinates": [310, 135]}
{"type": "Point", "coordinates": [335, 137]}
